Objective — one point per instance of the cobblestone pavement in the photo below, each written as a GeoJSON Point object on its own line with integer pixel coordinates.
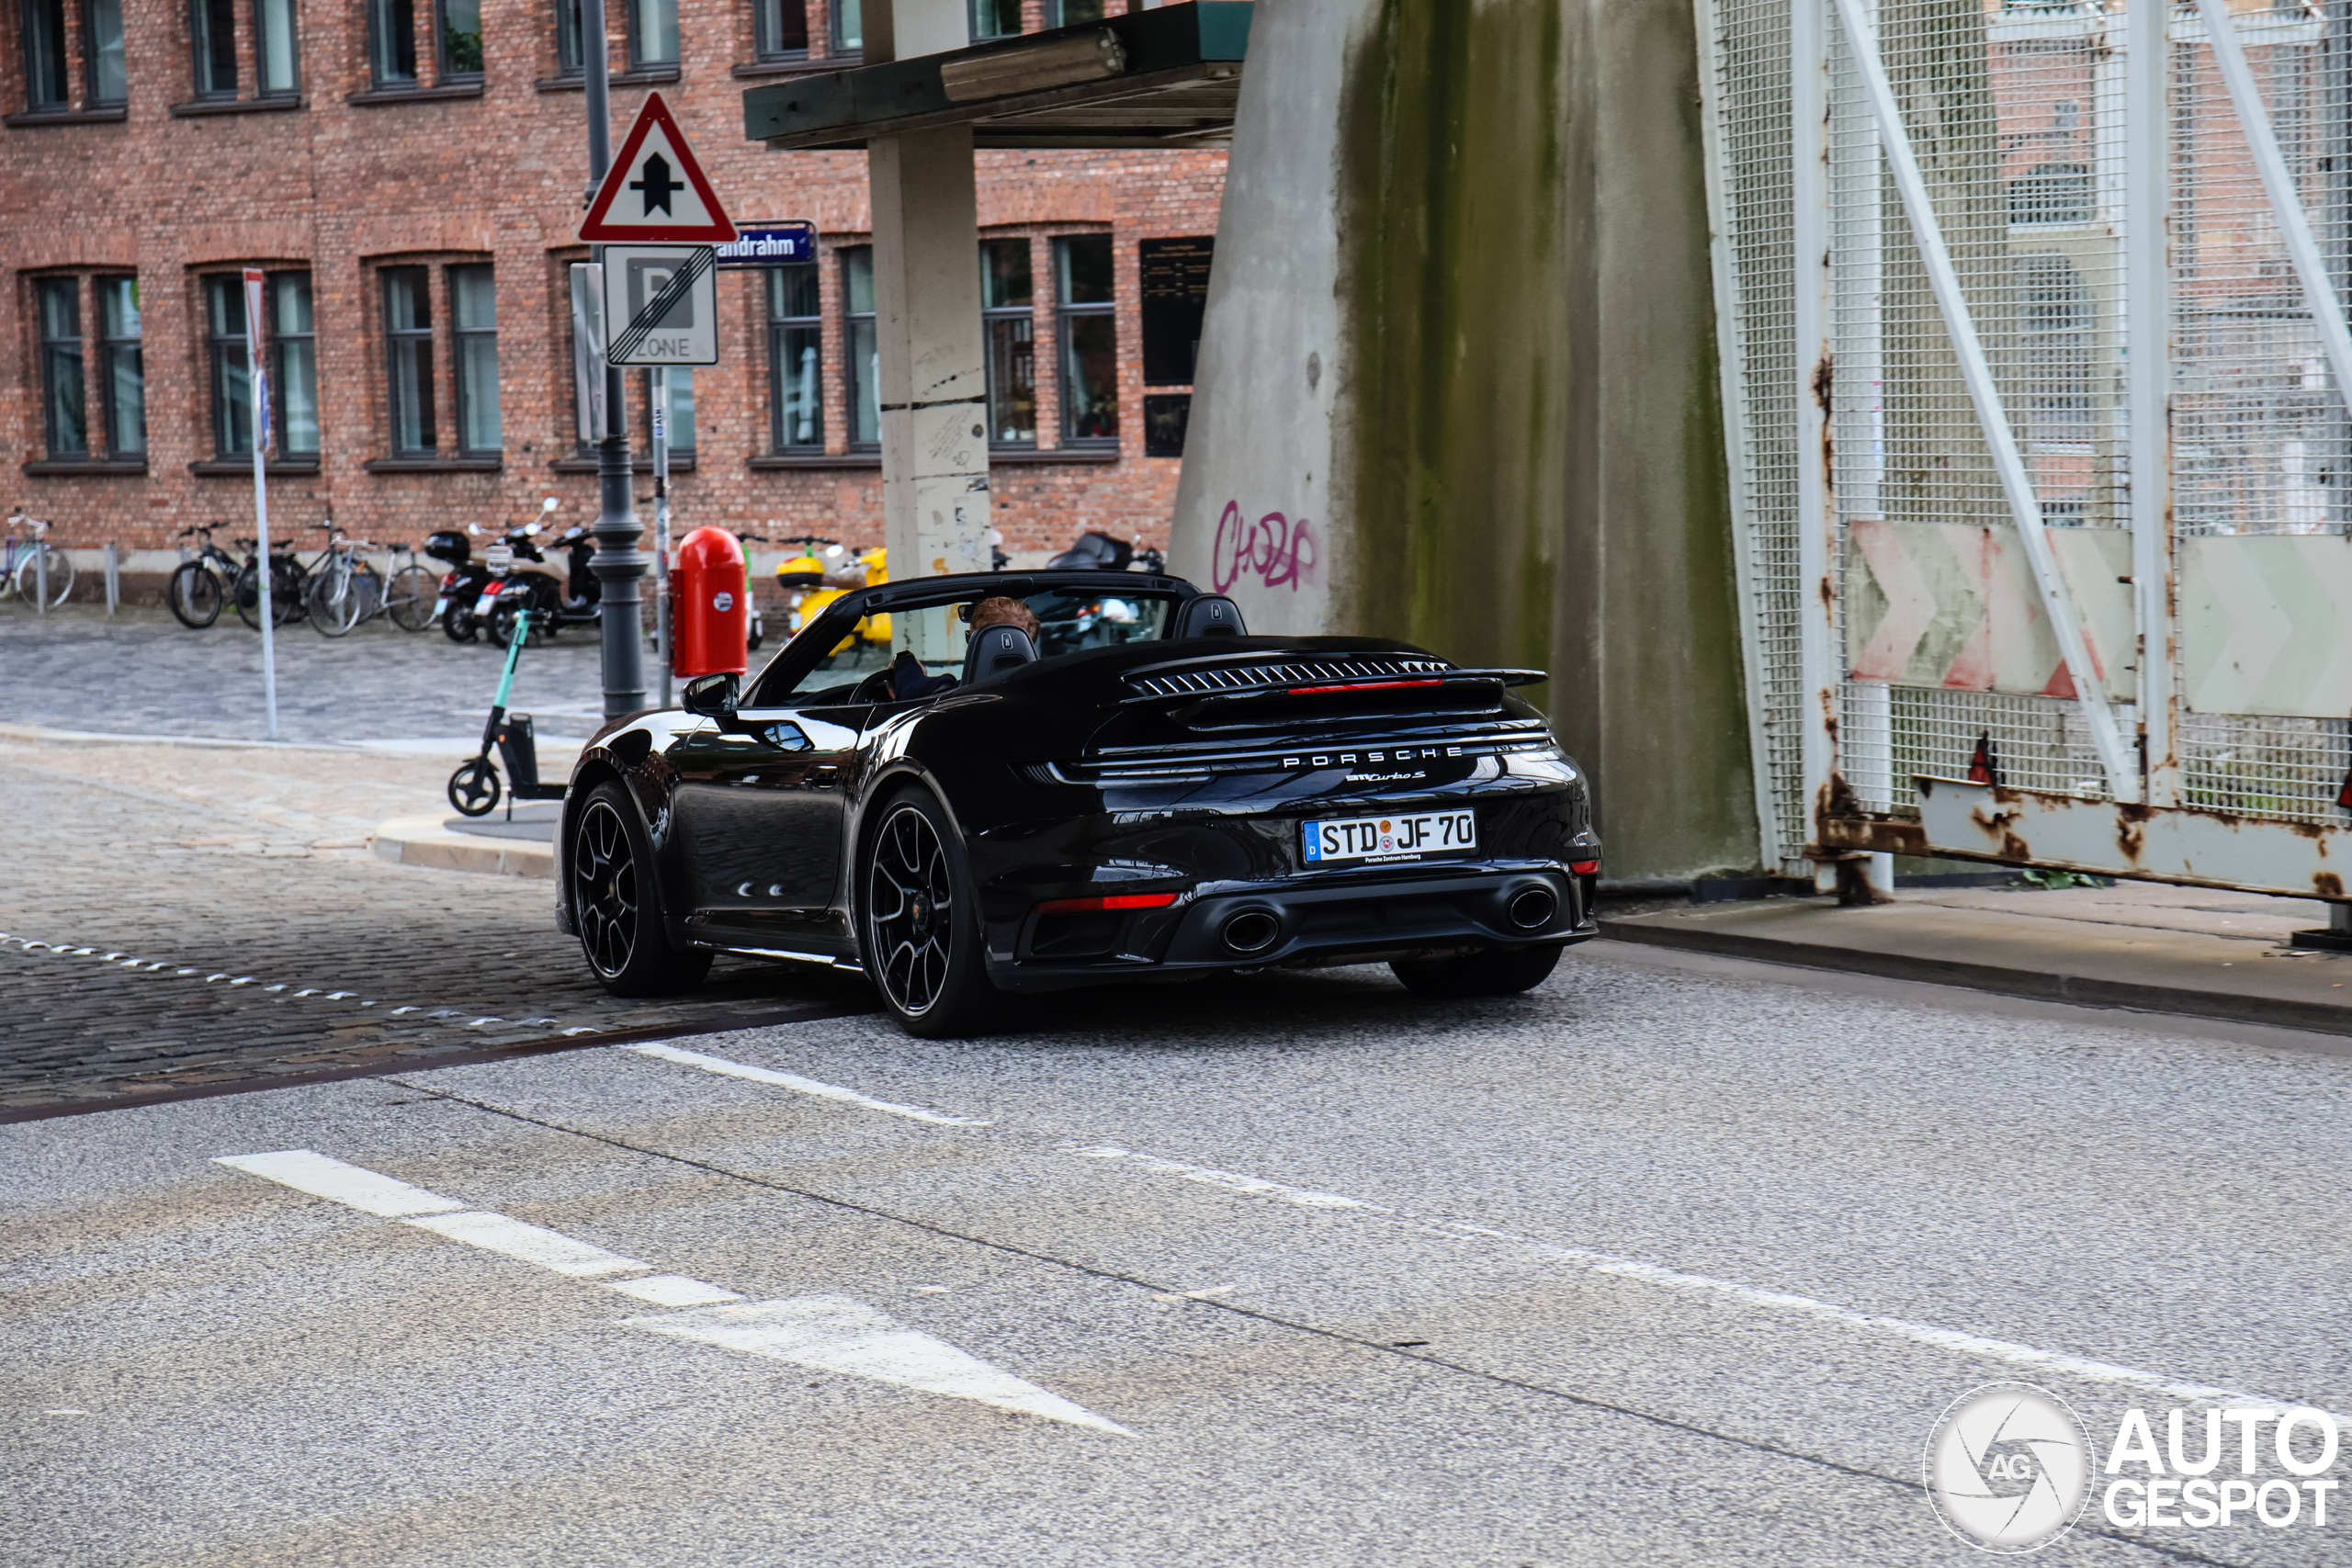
{"type": "Point", "coordinates": [267, 938]}
{"type": "Point", "coordinates": [143, 673]}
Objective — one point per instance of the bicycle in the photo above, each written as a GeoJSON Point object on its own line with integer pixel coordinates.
{"type": "Point", "coordinates": [339, 589]}
{"type": "Point", "coordinates": [200, 586]}
{"type": "Point", "coordinates": [33, 569]}
{"type": "Point", "coordinates": [414, 594]}
{"type": "Point", "coordinates": [286, 578]}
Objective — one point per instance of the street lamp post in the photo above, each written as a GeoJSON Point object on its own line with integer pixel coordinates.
{"type": "Point", "coordinates": [619, 564]}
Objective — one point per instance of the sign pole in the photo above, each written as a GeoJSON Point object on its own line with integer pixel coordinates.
{"type": "Point", "coordinates": [257, 380]}
{"type": "Point", "coordinates": [660, 379]}
{"type": "Point", "coordinates": [619, 564]}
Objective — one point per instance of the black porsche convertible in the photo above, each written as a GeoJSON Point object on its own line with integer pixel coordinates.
{"type": "Point", "coordinates": [1136, 789]}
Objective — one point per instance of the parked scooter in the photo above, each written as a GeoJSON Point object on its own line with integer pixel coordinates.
{"type": "Point", "coordinates": [474, 788]}
{"type": "Point", "coordinates": [460, 586]}
{"type": "Point", "coordinates": [574, 599]}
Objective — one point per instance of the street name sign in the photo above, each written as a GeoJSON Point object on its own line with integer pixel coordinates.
{"type": "Point", "coordinates": [769, 244]}
{"type": "Point", "coordinates": [660, 305]}
{"type": "Point", "coordinates": [655, 192]}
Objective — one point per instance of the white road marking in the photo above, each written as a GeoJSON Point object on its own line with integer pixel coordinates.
{"type": "Point", "coordinates": [671, 1290]}
{"type": "Point", "coordinates": [1255, 1187]}
{"type": "Point", "coordinates": [330, 1179]}
{"type": "Point", "coordinates": [802, 1086]}
{"type": "Point", "coordinates": [834, 1334]}
{"type": "Point", "coordinates": [530, 1244]}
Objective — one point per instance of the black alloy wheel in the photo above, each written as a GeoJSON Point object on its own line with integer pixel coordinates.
{"type": "Point", "coordinates": [1500, 972]}
{"type": "Point", "coordinates": [616, 903]}
{"type": "Point", "coordinates": [921, 923]}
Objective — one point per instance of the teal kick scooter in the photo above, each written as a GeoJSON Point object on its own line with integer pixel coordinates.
{"type": "Point", "coordinates": [474, 788]}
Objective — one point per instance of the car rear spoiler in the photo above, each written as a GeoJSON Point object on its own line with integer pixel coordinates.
{"type": "Point", "coordinates": [1335, 685]}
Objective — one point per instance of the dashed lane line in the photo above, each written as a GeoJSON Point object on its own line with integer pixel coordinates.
{"type": "Point", "coordinates": [828, 1333]}
{"type": "Point", "coordinates": [2027, 1357]}
{"type": "Point", "coordinates": [726, 1068]}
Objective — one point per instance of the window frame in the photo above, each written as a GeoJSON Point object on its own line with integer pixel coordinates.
{"type": "Point", "coordinates": [428, 409]}
{"type": "Point", "coordinates": [262, 89]}
{"type": "Point", "coordinates": [277, 342]}
{"type": "Point", "coordinates": [679, 456]}
{"type": "Point", "coordinates": [464, 342]}
{"type": "Point", "coordinates": [111, 349]}
{"type": "Point", "coordinates": [1058, 13]}
{"type": "Point", "coordinates": [55, 351]}
{"type": "Point", "coordinates": [852, 380]}
{"type": "Point", "coordinates": [1024, 314]}
{"type": "Point", "coordinates": [571, 30]}
{"type": "Point", "coordinates": [379, 41]}
{"type": "Point", "coordinates": [637, 59]}
{"type": "Point", "coordinates": [94, 95]}
{"type": "Point", "coordinates": [1065, 315]}
{"type": "Point", "coordinates": [766, 47]}
{"type": "Point", "coordinates": [779, 328]}
{"type": "Point", "coordinates": [218, 345]}
{"type": "Point", "coordinates": [203, 52]}
{"type": "Point", "coordinates": [973, 9]}
{"type": "Point", "coordinates": [444, 71]}
{"type": "Point", "coordinates": [838, 36]}
{"type": "Point", "coordinates": [29, 32]}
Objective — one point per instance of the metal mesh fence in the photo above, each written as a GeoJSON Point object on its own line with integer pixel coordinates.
{"type": "Point", "coordinates": [2015, 112]}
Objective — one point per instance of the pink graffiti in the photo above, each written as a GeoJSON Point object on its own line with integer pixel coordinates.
{"type": "Point", "coordinates": [1278, 551]}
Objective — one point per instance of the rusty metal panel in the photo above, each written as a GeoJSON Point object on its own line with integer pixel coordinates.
{"type": "Point", "coordinates": [2151, 843]}
{"type": "Point", "coordinates": [2265, 624]}
{"type": "Point", "coordinates": [1955, 606]}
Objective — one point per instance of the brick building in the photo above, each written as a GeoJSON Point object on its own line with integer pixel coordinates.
{"type": "Point", "coordinates": [409, 173]}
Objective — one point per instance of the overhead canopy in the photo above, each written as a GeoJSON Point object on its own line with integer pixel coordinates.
{"type": "Point", "coordinates": [1158, 78]}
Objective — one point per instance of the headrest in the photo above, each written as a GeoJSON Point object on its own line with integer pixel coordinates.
{"type": "Point", "coordinates": [1211, 615]}
{"type": "Point", "coordinates": [997, 650]}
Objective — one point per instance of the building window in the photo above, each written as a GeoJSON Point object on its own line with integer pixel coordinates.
{"type": "Point", "coordinates": [783, 28]}
{"type": "Point", "coordinates": [102, 20]}
{"type": "Point", "coordinates": [473, 298]}
{"type": "Point", "coordinates": [122, 371]}
{"type": "Point", "coordinates": [43, 24]}
{"type": "Point", "coordinates": [408, 340]}
{"type": "Point", "coordinates": [60, 367]}
{"type": "Point", "coordinates": [1009, 323]}
{"type": "Point", "coordinates": [863, 373]}
{"type": "Point", "coordinates": [795, 359]}
{"type": "Point", "coordinates": [293, 350]}
{"type": "Point", "coordinates": [568, 60]}
{"type": "Point", "coordinates": [213, 30]}
{"type": "Point", "coordinates": [274, 48]}
{"type": "Point", "coordinates": [460, 30]}
{"type": "Point", "coordinates": [233, 404]}
{"type": "Point", "coordinates": [1069, 13]}
{"type": "Point", "coordinates": [392, 42]}
{"type": "Point", "coordinates": [652, 32]}
{"type": "Point", "coordinates": [995, 18]}
{"type": "Point", "coordinates": [681, 427]}
{"type": "Point", "coordinates": [849, 27]}
{"type": "Point", "coordinates": [1090, 338]}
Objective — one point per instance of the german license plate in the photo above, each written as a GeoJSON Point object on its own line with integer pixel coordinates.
{"type": "Point", "coordinates": [1341, 840]}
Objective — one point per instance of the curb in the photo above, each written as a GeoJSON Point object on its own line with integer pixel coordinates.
{"type": "Point", "coordinates": [421, 840]}
{"type": "Point", "coordinates": [2079, 990]}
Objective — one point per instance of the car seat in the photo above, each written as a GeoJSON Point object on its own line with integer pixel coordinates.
{"type": "Point", "coordinates": [1211, 615]}
{"type": "Point", "coordinates": [997, 650]}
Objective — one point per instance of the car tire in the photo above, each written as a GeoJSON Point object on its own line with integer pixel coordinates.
{"type": "Point", "coordinates": [616, 902]}
{"type": "Point", "coordinates": [919, 923]}
{"type": "Point", "coordinates": [1500, 972]}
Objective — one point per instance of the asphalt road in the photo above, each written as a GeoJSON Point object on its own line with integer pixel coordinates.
{"type": "Point", "coordinates": [1675, 1260]}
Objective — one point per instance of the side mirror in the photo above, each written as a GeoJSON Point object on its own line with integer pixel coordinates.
{"type": "Point", "coordinates": [549, 504]}
{"type": "Point", "coordinates": [473, 527]}
{"type": "Point", "coordinates": [714, 696]}
{"type": "Point", "coordinates": [531, 532]}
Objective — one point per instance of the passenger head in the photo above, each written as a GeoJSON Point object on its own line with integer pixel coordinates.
{"type": "Point", "coordinates": [998, 611]}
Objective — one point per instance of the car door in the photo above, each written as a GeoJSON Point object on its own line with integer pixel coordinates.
{"type": "Point", "coordinates": [758, 825]}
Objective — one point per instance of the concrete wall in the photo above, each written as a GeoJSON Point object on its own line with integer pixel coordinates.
{"type": "Point", "coordinates": [1458, 382]}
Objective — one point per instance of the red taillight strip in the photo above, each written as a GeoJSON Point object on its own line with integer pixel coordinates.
{"type": "Point", "coordinates": [1359, 686]}
{"type": "Point", "coordinates": [1111, 901]}
{"type": "Point", "coordinates": [1585, 867]}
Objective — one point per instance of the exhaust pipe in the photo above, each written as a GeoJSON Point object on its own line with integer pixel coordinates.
{"type": "Point", "coordinates": [1253, 931]}
{"type": "Point", "coordinates": [1533, 909]}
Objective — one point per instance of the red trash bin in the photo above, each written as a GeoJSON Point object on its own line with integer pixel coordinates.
{"type": "Point", "coordinates": [711, 620]}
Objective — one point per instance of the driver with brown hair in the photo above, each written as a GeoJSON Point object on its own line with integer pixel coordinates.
{"type": "Point", "coordinates": [907, 679]}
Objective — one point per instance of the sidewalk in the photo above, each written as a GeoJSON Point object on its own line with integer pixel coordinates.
{"type": "Point", "coordinates": [2136, 944]}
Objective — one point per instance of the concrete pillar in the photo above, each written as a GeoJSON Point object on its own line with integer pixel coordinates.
{"type": "Point", "coordinates": [933, 374]}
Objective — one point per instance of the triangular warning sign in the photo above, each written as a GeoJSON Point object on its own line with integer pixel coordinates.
{"type": "Point", "coordinates": [655, 192]}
